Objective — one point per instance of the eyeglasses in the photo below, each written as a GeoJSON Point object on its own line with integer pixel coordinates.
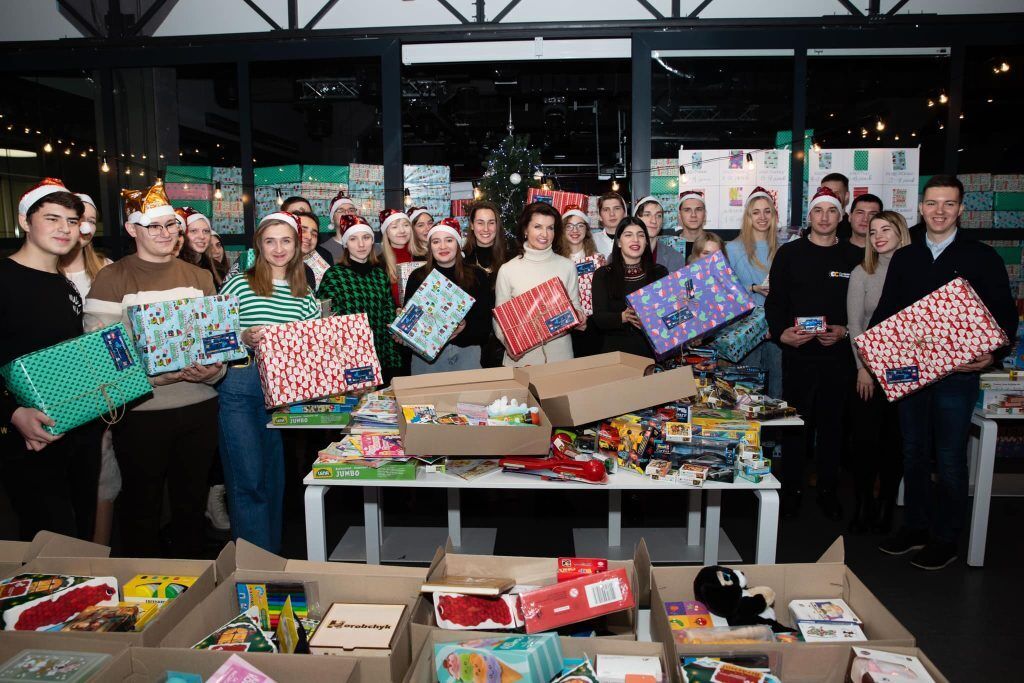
{"type": "Point", "coordinates": [576, 226]}
{"type": "Point", "coordinates": [155, 230]}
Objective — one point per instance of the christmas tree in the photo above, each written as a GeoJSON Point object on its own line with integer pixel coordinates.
{"type": "Point", "coordinates": [509, 172]}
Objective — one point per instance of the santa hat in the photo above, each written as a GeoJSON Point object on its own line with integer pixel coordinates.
{"type": "Point", "coordinates": [389, 216]}
{"type": "Point", "coordinates": [417, 212]}
{"type": "Point", "coordinates": [352, 225]}
{"type": "Point", "coordinates": [142, 206]}
{"type": "Point", "coordinates": [86, 198]}
{"type": "Point", "coordinates": [188, 216]}
{"type": "Point", "coordinates": [44, 187]}
{"type": "Point", "coordinates": [83, 227]}
{"type": "Point", "coordinates": [691, 194]}
{"type": "Point", "coordinates": [285, 217]}
{"type": "Point", "coordinates": [341, 200]}
{"type": "Point", "coordinates": [758, 193]}
{"type": "Point", "coordinates": [574, 210]}
{"type": "Point", "coordinates": [448, 226]}
{"type": "Point", "coordinates": [825, 196]}
{"type": "Point", "coordinates": [647, 200]}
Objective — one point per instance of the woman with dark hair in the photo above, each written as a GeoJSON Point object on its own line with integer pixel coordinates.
{"type": "Point", "coordinates": [219, 261]}
{"type": "Point", "coordinates": [487, 248]}
{"type": "Point", "coordinates": [630, 267]}
{"type": "Point", "coordinates": [540, 228]}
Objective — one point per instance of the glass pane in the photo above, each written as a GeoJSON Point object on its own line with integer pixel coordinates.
{"type": "Point", "coordinates": [990, 141]}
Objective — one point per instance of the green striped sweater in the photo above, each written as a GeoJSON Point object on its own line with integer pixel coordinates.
{"type": "Point", "coordinates": [279, 308]}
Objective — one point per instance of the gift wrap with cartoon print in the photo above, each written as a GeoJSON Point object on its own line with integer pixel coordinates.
{"type": "Point", "coordinates": [172, 335]}
{"type": "Point", "coordinates": [688, 303]}
{"type": "Point", "coordinates": [79, 380]}
{"type": "Point", "coordinates": [741, 336]}
{"type": "Point", "coordinates": [431, 315]}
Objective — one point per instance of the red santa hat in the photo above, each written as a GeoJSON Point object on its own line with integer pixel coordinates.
{"type": "Point", "coordinates": [83, 227]}
{"type": "Point", "coordinates": [339, 201]}
{"type": "Point", "coordinates": [286, 217]}
{"type": "Point", "coordinates": [574, 210]}
{"type": "Point", "coordinates": [825, 196]}
{"type": "Point", "coordinates": [352, 225]}
{"type": "Point", "coordinates": [448, 226]}
{"type": "Point", "coordinates": [188, 216]}
{"type": "Point", "coordinates": [417, 212]}
{"type": "Point", "coordinates": [44, 187]}
{"type": "Point", "coordinates": [758, 193]}
{"type": "Point", "coordinates": [389, 216]}
{"type": "Point", "coordinates": [648, 199]}
{"type": "Point", "coordinates": [691, 194]}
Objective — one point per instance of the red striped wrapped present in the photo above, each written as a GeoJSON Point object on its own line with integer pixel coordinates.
{"type": "Point", "coordinates": [560, 200]}
{"type": "Point", "coordinates": [200, 190]}
{"type": "Point", "coordinates": [536, 316]}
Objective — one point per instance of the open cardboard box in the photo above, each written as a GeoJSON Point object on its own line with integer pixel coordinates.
{"type": "Point", "coordinates": [148, 665]}
{"type": "Point", "coordinates": [124, 569]}
{"type": "Point", "coordinates": [115, 669]}
{"type": "Point", "coordinates": [829, 577]}
{"type": "Point", "coordinates": [584, 390]}
{"type": "Point", "coordinates": [242, 555]}
{"type": "Point", "coordinates": [365, 586]}
{"type": "Point", "coordinates": [446, 389]}
{"type": "Point", "coordinates": [526, 571]}
{"type": "Point", "coordinates": [13, 554]}
{"type": "Point", "coordinates": [422, 670]}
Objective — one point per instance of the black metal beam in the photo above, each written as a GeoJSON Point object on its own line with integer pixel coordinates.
{"type": "Point", "coordinates": [456, 13]}
{"type": "Point", "coordinates": [896, 8]}
{"type": "Point", "coordinates": [957, 59]}
{"type": "Point", "coordinates": [245, 148]}
{"type": "Point", "coordinates": [874, 8]}
{"type": "Point", "coordinates": [263, 15]}
{"type": "Point", "coordinates": [293, 15]}
{"type": "Point", "coordinates": [675, 9]}
{"type": "Point", "coordinates": [503, 13]}
{"type": "Point", "coordinates": [640, 179]}
{"type": "Point", "coordinates": [391, 122]}
{"type": "Point", "coordinates": [110, 182]}
{"type": "Point", "coordinates": [851, 8]}
{"type": "Point", "coordinates": [148, 16]}
{"type": "Point", "coordinates": [78, 20]}
{"type": "Point", "coordinates": [698, 9]}
{"type": "Point", "coordinates": [652, 9]}
{"type": "Point", "coordinates": [481, 14]}
{"type": "Point", "coordinates": [328, 6]}
{"type": "Point", "coordinates": [797, 158]}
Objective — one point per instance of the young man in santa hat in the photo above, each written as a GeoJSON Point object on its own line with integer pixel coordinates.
{"type": "Point", "coordinates": [693, 214]}
{"type": "Point", "coordinates": [168, 441]}
{"type": "Point", "coordinates": [939, 415]}
{"type": "Point", "coordinates": [650, 211]}
{"type": "Point", "coordinates": [50, 480]}
{"type": "Point", "coordinates": [342, 205]}
{"type": "Point", "coordinates": [840, 186]}
{"type": "Point", "coordinates": [809, 279]}
{"type": "Point", "coordinates": [611, 209]}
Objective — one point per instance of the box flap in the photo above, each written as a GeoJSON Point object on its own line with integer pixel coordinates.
{"type": "Point", "coordinates": [642, 564]}
{"type": "Point", "coordinates": [226, 561]}
{"type": "Point", "coordinates": [450, 379]}
{"type": "Point", "coordinates": [49, 544]}
{"type": "Point", "coordinates": [835, 553]}
{"type": "Point", "coordinates": [250, 556]}
{"type": "Point", "coordinates": [14, 552]}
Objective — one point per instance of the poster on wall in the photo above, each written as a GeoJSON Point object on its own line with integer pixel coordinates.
{"type": "Point", "coordinates": [889, 173]}
{"type": "Point", "coordinates": [727, 177]}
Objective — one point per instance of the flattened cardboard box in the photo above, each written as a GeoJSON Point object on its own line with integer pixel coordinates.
{"type": "Point", "coordinates": [148, 665]}
{"type": "Point", "coordinates": [827, 578]}
{"type": "Point", "coordinates": [124, 569]}
{"type": "Point", "coordinates": [445, 390]}
{"type": "Point", "coordinates": [116, 669]}
{"type": "Point", "coordinates": [584, 390]}
{"type": "Point", "coordinates": [13, 554]}
{"type": "Point", "coordinates": [527, 571]}
{"type": "Point", "coordinates": [422, 670]}
{"type": "Point", "coordinates": [366, 586]}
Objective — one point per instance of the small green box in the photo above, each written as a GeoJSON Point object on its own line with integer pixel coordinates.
{"type": "Point", "coordinates": [665, 185]}
{"type": "Point", "coordinates": [1009, 201]}
{"type": "Point", "coordinates": [188, 174]}
{"type": "Point", "coordinates": [315, 419]}
{"type": "Point", "coordinates": [314, 173]}
{"type": "Point", "coordinates": [400, 471]}
{"type": "Point", "coordinates": [277, 175]}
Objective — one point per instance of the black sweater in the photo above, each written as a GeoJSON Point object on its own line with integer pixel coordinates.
{"type": "Point", "coordinates": [913, 274]}
{"type": "Point", "coordinates": [808, 280]}
{"type": "Point", "coordinates": [608, 308]}
{"type": "Point", "coordinates": [478, 320]}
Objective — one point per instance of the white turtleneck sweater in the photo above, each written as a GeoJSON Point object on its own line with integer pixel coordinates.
{"type": "Point", "coordinates": [524, 273]}
{"type": "Point", "coordinates": [862, 298]}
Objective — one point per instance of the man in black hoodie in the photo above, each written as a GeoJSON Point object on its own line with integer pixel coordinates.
{"type": "Point", "coordinates": [940, 413]}
{"type": "Point", "coordinates": [809, 278]}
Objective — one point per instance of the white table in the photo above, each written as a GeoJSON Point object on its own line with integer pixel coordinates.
{"type": "Point", "coordinates": [982, 460]}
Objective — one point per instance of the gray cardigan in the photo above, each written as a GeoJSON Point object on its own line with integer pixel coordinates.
{"type": "Point", "coordinates": [862, 298]}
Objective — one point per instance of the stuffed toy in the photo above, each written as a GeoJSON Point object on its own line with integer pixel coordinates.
{"type": "Point", "coordinates": [725, 593]}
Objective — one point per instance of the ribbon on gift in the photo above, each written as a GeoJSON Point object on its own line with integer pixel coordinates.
{"type": "Point", "coordinates": [112, 406]}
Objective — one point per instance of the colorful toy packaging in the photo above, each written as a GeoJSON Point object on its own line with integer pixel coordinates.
{"type": "Point", "coordinates": [740, 337]}
{"type": "Point", "coordinates": [241, 634]}
{"type": "Point", "coordinates": [156, 589]}
{"type": "Point", "coordinates": [39, 602]}
{"type": "Point", "coordinates": [569, 602]}
{"type": "Point", "coordinates": [171, 335]}
{"type": "Point", "coordinates": [517, 659]}
{"type": "Point", "coordinates": [431, 315]}
{"type": "Point", "coordinates": [536, 316]}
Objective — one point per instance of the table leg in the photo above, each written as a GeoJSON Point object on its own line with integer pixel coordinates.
{"type": "Point", "coordinates": [454, 518]}
{"type": "Point", "coordinates": [767, 525]}
{"type": "Point", "coordinates": [371, 522]}
{"type": "Point", "coordinates": [982, 490]}
{"type": "Point", "coordinates": [693, 517]}
{"type": "Point", "coordinates": [712, 521]}
{"type": "Point", "coordinates": [614, 518]}
{"type": "Point", "coordinates": [316, 527]}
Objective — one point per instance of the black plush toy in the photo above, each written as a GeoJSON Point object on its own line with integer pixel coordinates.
{"type": "Point", "coordinates": [725, 593]}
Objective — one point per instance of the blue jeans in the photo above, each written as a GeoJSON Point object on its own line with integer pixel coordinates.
{"type": "Point", "coordinates": [941, 415]}
{"type": "Point", "coordinates": [253, 460]}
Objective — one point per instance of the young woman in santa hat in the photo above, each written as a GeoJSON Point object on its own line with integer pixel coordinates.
{"type": "Point", "coordinates": [577, 244]}
{"type": "Point", "coordinates": [422, 222]}
{"type": "Point", "coordinates": [273, 291]}
{"type": "Point", "coordinates": [197, 236]}
{"type": "Point", "coordinates": [358, 283]}
{"type": "Point", "coordinates": [445, 256]}
{"type": "Point", "coordinates": [397, 246]}
{"type": "Point", "coordinates": [341, 206]}
{"type": "Point", "coordinates": [487, 247]}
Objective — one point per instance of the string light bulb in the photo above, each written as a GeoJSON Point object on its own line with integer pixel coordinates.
{"type": "Point", "coordinates": [407, 197]}
{"type": "Point", "coordinates": [47, 147]}
{"type": "Point", "coordinates": [615, 183]}
{"type": "Point", "coordinates": [880, 125]}
{"type": "Point", "coordinates": [477, 193]}
{"type": "Point", "coordinates": [538, 175]}
{"type": "Point", "coordinates": [217, 194]}
{"type": "Point", "coordinates": [105, 167]}
{"type": "Point", "coordinates": [943, 98]}
{"type": "Point", "coordinates": [1004, 67]}
{"type": "Point", "coordinates": [750, 161]}
{"type": "Point", "coordinates": [280, 198]}
{"type": "Point", "coordinates": [67, 151]}
{"type": "Point", "coordinates": [816, 147]}
{"type": "Point", "coordinates": [141, 173]}
{"type": "Point", "coordinates": [931, 103]}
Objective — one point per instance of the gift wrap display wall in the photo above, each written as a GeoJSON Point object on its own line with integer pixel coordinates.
{"type": "Point", "coordinates": [890, 174]}
{"type": "Point", "coordinates": [727, 177]}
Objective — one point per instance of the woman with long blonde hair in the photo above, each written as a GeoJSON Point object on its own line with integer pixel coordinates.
{"type": "Point", "coordinates": [397, 246]}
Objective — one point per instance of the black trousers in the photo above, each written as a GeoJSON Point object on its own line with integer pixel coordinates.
{"type": "Point", "coordinates": [54, 489]}
{"type": "Point", "coordinates": [876, 446]}
{"type": "Point", "coordinates": [165, 449]}
{"type": "Point", "coordinates": [818, 387]}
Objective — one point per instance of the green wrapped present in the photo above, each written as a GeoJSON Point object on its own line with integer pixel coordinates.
{"type": "Point", "coordinates": [79, 380]}
{"type": "Point", "coordinates": [277, 175]}
{"type": "Point", "coordinates": [189, 174]}
{"type": "Point", "coordinates": [665, 185]}
{"type": "Point", "coordinates": [1009, 201]}
{"type": "Point", "coordinates": [325, 174]}
{"type": "Point", "coordinates": [203, 206]}
{"type": "Point", "coordinates": [741, 337]}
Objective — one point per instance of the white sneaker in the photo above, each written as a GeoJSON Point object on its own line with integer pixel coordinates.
{"type": "Point", "coordinates": [217, 508]}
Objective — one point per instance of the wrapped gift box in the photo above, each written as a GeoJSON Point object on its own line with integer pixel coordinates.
{"type": "Point", "coordinates": [430, 186]}
{"type": "Point", "coordinates": [404, 271]}
{"type": "Point", "coordinates": [536, 316]}
{"type": "Point", "coordinates": [203, 206]}
{"type": "Point", "coordinates": [742, 336]}
{"type": "Point", "coordinates": [1008, 183]}
{"type": "Point", "coordinates": [585, 271]}
{"type": "Point", "coordinates": [975, 182]}
{"type": "Point", "coordinates": [188, 174]}
{"type": "Point", "coordinates": [79, 380]}
{"type": "Point", "coordinates": [431, 315]}
{"type": "Point", "coordinates": [560, 200]}
{"type": "Point", "coordinates": [366, 187]}
{"type": "Point", "coordinates": [277, 175]}
{"type": "Point", "coordinates": [1008, 201]}
{"type": "Point", "coordinates": [689, 302]}
{"type": "Point", "coordinates": [311, 359]}
{"type": "Point", "coordinates": [978, 201]}
{"type": "Point", "coordinates": [460, 208]}
{"type": "Point", "coordinates": [267, 196]}
{"type": "Point", "coordinates": [333, 175]}
{"type": "Point", "coordinates": [171, 335]}
{"type": "Point", "coordinates": [1008, 219]}
{"type": "Point", "coordinates": [976, 219]}
{"type": "Point", "coordinates": [228, 214]}
{"type": "Point", "coordinates": [929, 339]}
{"type": "Point", "coordinates": [665, 185]}
{"type": "Point", "coordinates": [189, 191]}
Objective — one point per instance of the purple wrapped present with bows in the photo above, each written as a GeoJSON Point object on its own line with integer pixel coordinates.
{"type": "Point", "coordinates": [688, 303]}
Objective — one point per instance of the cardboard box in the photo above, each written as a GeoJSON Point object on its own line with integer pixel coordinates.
{"type": "Point", "coordinates": [352, 584]}
{"type": "Point", "coordinates": [447, 389]}
{"type": "Point", "coordinates": [584, 390]}
{"type": "Point", "coordinates": [148, 665]}
{"type": "Point", "coordinates": [117, 668]}
{"type": "Point", "coordinates": [124, 569]}
{"type": "Point", "coordinates": [13, 554]}
{"type": "Point", "coordinates": [829, 577]}
{"type": "Point", "coordinates": [535, 571]}
{"type": "Point", "coordinates": [422, 670]}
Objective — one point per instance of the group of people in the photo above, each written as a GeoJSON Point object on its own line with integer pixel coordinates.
{"type": "Point", "coordinates": [171, 441]}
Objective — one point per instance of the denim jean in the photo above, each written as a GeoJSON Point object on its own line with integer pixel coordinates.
{"type": "Point", "coordinates": [941, 415]}
{"type": "Point", "coordinates": [253, 460]}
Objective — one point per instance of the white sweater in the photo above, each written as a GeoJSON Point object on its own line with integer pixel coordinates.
{"type": "Point", "coordinates": [603, 241]}
{"type": "Point", "coordinates": [524, 273]}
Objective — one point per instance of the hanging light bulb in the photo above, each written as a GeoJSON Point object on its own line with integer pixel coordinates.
{"type": "Point", "coordinates": [943, 98]}
{"type": "Point", "coordinates": [217, 194]}
{"type": "Point", "coordinates": [1004, 67]}
{"type": "Point", "coordinates": [407, 197]}
{"type": "Point", "coordinates": [67, 151]}
{"type": "Point", "coordinates": [105, 167]}
{"type": "Point", "coordinates": [185, 186]}
{"type": "Point", "coordinates": [47, 147]}
{"type": "Point", "coordinates": [750, 161]}
{"type": "Point", "coordinates": [615, 183]}
{"type": "Point", "coordinates": [127, 171]}
{"type": "Point", "coordinates": [863, 132]}
{"type": "Point", "coordinates": [83, 154]}
{"type": "Point", "coordinates": [816, 147]}
{"type": "Point", "coordinates": [931, 103]}
{"type": "Point", "coordinates": [477, 193]}
{"type": "Point", "coordinates": [880, 125]}
{"type": "Point", "coordinates": [280, 198]}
